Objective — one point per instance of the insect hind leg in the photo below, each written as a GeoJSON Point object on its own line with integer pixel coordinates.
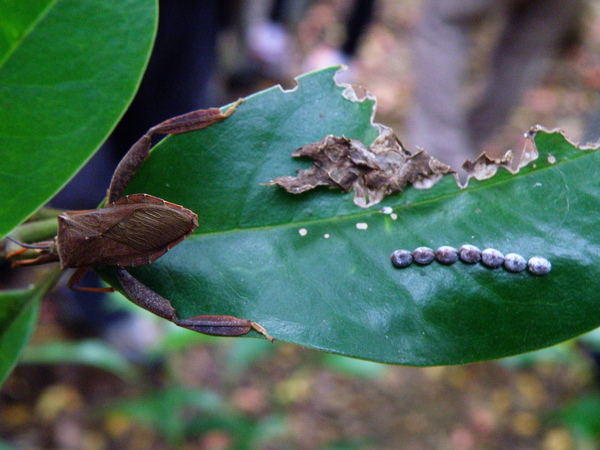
{"type": "Point", "coordinates": [76, 278]}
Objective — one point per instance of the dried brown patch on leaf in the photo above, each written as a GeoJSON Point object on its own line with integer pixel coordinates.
{"type": "Point", "coordinates": [485, 167]}
{"type": "Point", "coordinates": [384, 168]}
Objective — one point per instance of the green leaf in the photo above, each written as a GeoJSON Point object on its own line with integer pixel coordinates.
{"type": "Point", "coordinates": [68, 70]}
{"type": "Point", "coordinates": [17, 19]}
{"type": "Point", "coordinates": [168, 410]}
{"type": "Point", "coordinates": [358, 368]}
{"type": "Point", "coordinates": [340, 293]}
{"type": "Point", "coordinates": [17, 335]}
{"type": "Point", "coordinates": [90, 352]}
{"type": "Point", "coordinates": [581, 416]}
{"type": "Point", "coordinates": [18, 316]}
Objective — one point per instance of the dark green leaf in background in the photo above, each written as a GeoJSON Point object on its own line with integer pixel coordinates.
{"type": "Point", "coordinates": [68, 70]}
{"type": "Point", "coordinates": [19, 310]}
{"type": "Point", "coordinates": [17, 334]}
{"type": "Point", "coordinates": [334, 288]}
{"type": "Point", "coordinates": [91, 352]}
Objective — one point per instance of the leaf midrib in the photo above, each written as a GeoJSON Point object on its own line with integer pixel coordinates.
{"type": "Point", "coordinates": [484, 184]}
{"type": "Point", "coordinates": [27, 32]}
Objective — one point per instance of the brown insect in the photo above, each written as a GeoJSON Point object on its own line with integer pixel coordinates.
{"type": "Point", "coordinates": [134, 231]}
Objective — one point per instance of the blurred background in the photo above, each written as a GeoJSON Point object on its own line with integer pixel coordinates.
{"type": "Point", "coordinates": [455, 77]}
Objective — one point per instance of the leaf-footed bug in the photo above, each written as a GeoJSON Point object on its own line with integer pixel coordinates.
{"type": "Point", "coordinates": [134, 231]}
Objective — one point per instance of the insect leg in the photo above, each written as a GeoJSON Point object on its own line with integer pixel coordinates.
{"type": "Point", "coordinates": [18, 252]}
{"type": "Point", "coordinates": [43, 258]}
{"type": "Point", "coordinates": [42, 249]}
{"type": "Point", "coordinates": [194, 120]}
{"type": "Point", "coordinates": [137, 154]}
{"type": "Point", "coordinates": [221, 325]}
{"type": "Point", "coordinates": [146, 298]}
{"type": "Point", "coordinates": [76, 278]}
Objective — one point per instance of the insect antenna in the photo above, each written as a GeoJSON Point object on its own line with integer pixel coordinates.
{"type": "Point", "coordinates": [31, 246]}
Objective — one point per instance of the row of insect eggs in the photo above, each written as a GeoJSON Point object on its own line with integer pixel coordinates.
{"type": "Point", "coordinates": [470, 254]}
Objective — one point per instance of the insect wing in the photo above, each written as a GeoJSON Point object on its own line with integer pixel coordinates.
{"type": "Point", "coordinates": [151, 228]}
{"type": "Point", "coordinates": [133, 231]}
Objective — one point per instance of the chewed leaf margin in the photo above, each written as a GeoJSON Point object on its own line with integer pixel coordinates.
{"type": "Point", "coordinates": [386, 167]}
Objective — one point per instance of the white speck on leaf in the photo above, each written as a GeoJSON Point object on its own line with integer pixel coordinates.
{"type": "Point", "coordinates": [303, 231]}
{"type": "Point", "coordinates": [362, 225]}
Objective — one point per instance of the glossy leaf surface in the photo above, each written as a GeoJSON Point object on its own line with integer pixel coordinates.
{"type": "Point", "coordinates": [68, 70]}
{"type": "Point", "coordinates": [334, 288]}
{"type": "Point", "coordinates": [17, 19]}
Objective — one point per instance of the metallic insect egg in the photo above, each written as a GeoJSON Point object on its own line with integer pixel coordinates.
{"type": "Point", "coordinates": [446, 255]}
{"type": "Point", "coordinates": [469, 254]}
{"type": "Point", "coordinates": [539, 266]}
{"type": "Point", "coordinates": [401, 258]}
{"type": "Point", "coordinates": [514, 263]}
{"type": "Point", "coordinates": [492, 258]}
{"type": "Point", "coordinates": [423, 255]}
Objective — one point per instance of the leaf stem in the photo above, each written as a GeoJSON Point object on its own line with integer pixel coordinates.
{"type": "Point", "coordinates": [35, 231]}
